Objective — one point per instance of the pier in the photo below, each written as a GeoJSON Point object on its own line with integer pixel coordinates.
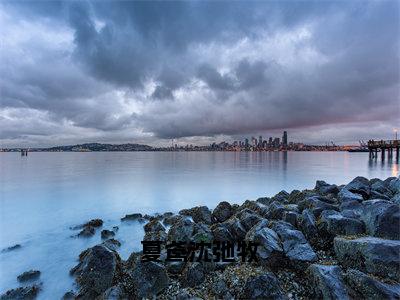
{"type": "Point", "coordinates": [383, 146]}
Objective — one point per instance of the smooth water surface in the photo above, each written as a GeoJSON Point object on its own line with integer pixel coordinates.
{"type": "Point", "coordinates": [42, 195]}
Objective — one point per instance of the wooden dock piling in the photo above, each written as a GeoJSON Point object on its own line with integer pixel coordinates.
{"type": "Point", "coordinates": [389, 145]}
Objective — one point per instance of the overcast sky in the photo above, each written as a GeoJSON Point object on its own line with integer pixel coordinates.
{"type": "Point", "coordinates": [147, 72]}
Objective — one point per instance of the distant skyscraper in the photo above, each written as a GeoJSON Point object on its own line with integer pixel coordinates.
{"type": "Point", "coordinates": [270, 141]}
{"type": "Point", "coordinates": [260, 141]}
{"type": "Point", "coordinates": [284, 138]}
{"type": "Point", "coordinates": [246, 143]}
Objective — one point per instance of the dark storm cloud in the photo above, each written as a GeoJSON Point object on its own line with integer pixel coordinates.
{"type": "Point", "coordinates": [184, 69]}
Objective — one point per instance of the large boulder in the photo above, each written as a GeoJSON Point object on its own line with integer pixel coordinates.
{"type": "Point", "coordinates": [28, 275]}
{"type": "Point", "coordinates": [296, 247]}
{"type": "Point", "coordinates": [351, 209]}
{"type": "Point", "coordinates": [308, 225]}
{"type": "Point", "coordinates": [221, 233]}
{"type": "Point", "coordinates": [181, 231]}
{"type": "Point", "coordinates": [199, 214]}
{"type": "Point", "coordinates": [324, 188]}
{"type": "Point", "coordinates": [363, 286]}
{"type": "Point", "coordinates": [149, 278]}
{"type": "Point", "coordinates": [194, 274]}
{"type": "Point", "coordinates": [359, 185]}
{"type": "Point", "coordinates": [222, 212]}
{"type": "Point", "coordinates": [327, 282]}
{"type": "Point", "coordinates": [113, 293]}
{"type": "Point", "coordinates": [317, 204]}
{"type": "Point", "coordinates": [269, 251]}
{"type": "Point", "coordinates": [331, 223]}
{"type": "Point", "coordinates": [265, 286]}
{"type": "Point", "coordinates": [202, 233]}
{"type": "Point", "coordinates": [248, 218]}
{"type": "Point", "coordinates": [394, 185]}
{"type": "Point", "coordinates": [369, 254]}
{"type": "Point", "coordinates": [133, 217]}
{"type": "Point", "coordinates": [153, 225]}
{"type": "Point", "coordinates": [382, 218]}
{"type": "Point", "coordinates": [96, 272]}
{"type": "Point", "coordinates": [236, 228]}
{"type": "Point", "coordinates": [367, 287]}
{"type": "Point", "coordinates": [345, 195]}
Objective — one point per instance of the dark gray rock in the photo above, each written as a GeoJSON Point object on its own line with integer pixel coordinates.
{"type": "Point", "coordinates": [22, 293]}
{"type": "Point", "coordinates": [149, 279]}
{"type": "Point", "coordinates": [382, 218]}
{"type": "Point", "coordinates": [112, 244]}
{"type": "Point", "coordinates": [236, 228]}
{"type": "Point", "coordinates": [345, 195]}
{"type": "Point", "coordinates": [367, 287]}
{"type": "Point", "coordinates": [380, 187]}
{"type": "Point", "coordinates": [70, 295]}
{"type": "Point", "coordinates": [396, 199]}
{"type": "Point", "coordinates": [359, 185]}
{"type": "Point", "coordinates": [394, 185]}
{"type": "Point", "coordinates": [11, 248]}
{"type": "Point", "coordinates": [282, 197]}
{"type": "Point", "coordinates": [351, 209]}
{"type": "Point", "coordinates": [332, 223]}
{"type": "Point", "coordinates": [264, 286]}
{"type": "Point", "coordinates": [155, 236]}
{"type": "Point", "coordinates": [199, 214]}
{"type": "Point", "coordinates": [132, 217]}
{"type": "Point", "coordinates": [275, 211]}
{"type": "Point", "coordinates": [369, 254]}
{"type": "Point", "coordinates": [377, 195]}
{"type": "Point", "coordinates": [316, 204]}
{"type": "Point", "coordinates": [181, 231]}
{"type": "Point", "coordinates": [29, 275]}
{"type": "Point", "coordinates": [291, 217]}
{"type": "Point", "coordinates": [296, 247]}
{"type": "Point", "coordinates": [95, 273]}
{"type": "Point", "coordinates": [194, 274]}
{"type": "Point", "coordinates": [202, 233]}
{"type": "Point", "coordinates": [221, 232]}
{"type": "Point", "coordinates": [222, 212]}
{"type": "Point", "coordinates": [269, 251]}
{"type": "Point", "coordinates": [92, 223]}
{"type": "Point", "coordinates": [106, 234]}
{"type": "Point", "coordinates": [154, 225]}
{"type": "Point", "coordinates": [324, 188]}
{"type": "Point", "coordinates": [308, 226]}
{"type": "Point", "coordinates": [327, 282]}
{"type": "Point", "coordinates": [248, 218]}
{"type": "Point", "coordinates": [87, 231]}
{"type": "Point", "coordinates": [219, 288]}
{"type": "Point", "coordinates": [169, 221]}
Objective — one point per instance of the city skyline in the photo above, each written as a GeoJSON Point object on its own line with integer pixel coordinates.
{"type": "Point", "coordinates": [198, 72]}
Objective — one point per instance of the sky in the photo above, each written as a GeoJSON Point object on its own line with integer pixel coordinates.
{"type": "Point", "coordinates": [198, 71]}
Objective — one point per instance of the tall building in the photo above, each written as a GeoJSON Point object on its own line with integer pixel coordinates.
{"type": "Point", "coordinates": [270, 141]}
{"type": "Point", "coordinates": [284, 139]}
{"type": "Point", "coordinates": [260, 141]}
{"type": "Point", "coordinates": [246, 143]}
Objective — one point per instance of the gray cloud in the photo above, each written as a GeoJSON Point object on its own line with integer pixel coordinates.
{"type": "Point", "coordinates": [197, 69]}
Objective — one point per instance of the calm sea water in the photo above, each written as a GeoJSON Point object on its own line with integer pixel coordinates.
{"type": "Point", "coordinates": [42, 195]}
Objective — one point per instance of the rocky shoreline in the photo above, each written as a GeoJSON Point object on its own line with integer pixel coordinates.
{"type": "Point", "coordinates": [331, 242]}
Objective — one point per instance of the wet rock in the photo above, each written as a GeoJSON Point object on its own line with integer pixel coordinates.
{"type": "Point", "coordinates": [264, 286]}
{"type": "Point", "coordinates": [367, 287]}
{"type": "Point", "coordinates": [98, 267]}
{"type": "Point", "coordinates": [327, 282]}
{"type": "Point", "coordinates": [275, 211]}
{"type": "Point", "coordinates": [132, 217]}
{"type": "Point", "coordinates": [87, 231]}
{"type": "Point", "coordinates": [369, 254]}
{"type": "Point", "coordinates": [351, 209]}
{"type": "Point", "coordinates": [181, 231]}
{"type": "Point", "coordinates": [290, 217]}
{"type": "Point", "coordinates": [317, 204]}
{"type": "Point", "coordinates": [11, 248]}
{"type": "Point", "coordinates": [169, 221]}
{"type": "Point", "coordinates": [70, 295]}
{"type": "Point", "coordinates": [112, 244]}
{"type": "Point", "coordinates": [324, 188]}
{"type": "Point", "coordinates": [254, 207]}
{"type": "Point", "coordinates": [382, 218]}
{"type": "Point", "coordinates": [269, 251]}
{"type": "Point", "coordinates": [359, 185]}
{"type": "Point", "coordinates": [345, 195]}
{"type": "Point", "coordinates": [222, 212]}
{"type": "Point", "coordinates": [199, 214]}
{"type": "Point", "coordinates": [236, 228]}
{"type": "Point", "coordinates": [265, 201]}
{"type": "Point", "coordinates": [394, 185]}
{"type": "Point", "coordinates": [149, 279]}
{"type": "Point", "coordinates": [296, 247]}
{"type": "Point", "coordinates": [106, 234]}
{"type": "Point", "coordinates": [202, 233]}
{"type": "Point", "coordinates": [380, 187]}
{"type": "Point", "coordinates": [92, 223]}
{"type": "Point", "coordinates": [22, 293]}
{"type": "Point", "coordinates": [194, 274]}
{"type": "Point", "coordinates": [219, 288]}
{"type": "Point", "coordinates": [221, 232]}
{"type": "Point", "coordinates": [155, 236]}
{"type": "Point", "coordinates": [308, 226]}
{"type": "Point", "coordinates": [154, 225]}
{"type": "Point", "coordinates": [248, 218]}
{"type": "Point", "coordinates": [29, 275]}
{"type": "Point", "coordinates": [282, 197]}
{"type": "Point", "coordinates": [332, 223]}
{"type": "Point", "coordinates": [396, 199]}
